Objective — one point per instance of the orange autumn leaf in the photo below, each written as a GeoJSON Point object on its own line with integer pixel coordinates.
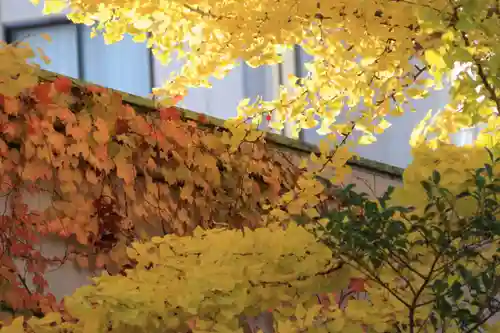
{"type": "Point", "coordinates": [66, 115]}
{"type": "Point", "coordinates": [101, 260]}
{"type": "Point", "coordinates": [357, 284]}
{"type": "Point", "coordinates": [81, 236]}
{"type": "Point", "coordinates": [178, 98]}
{"type": "Point", "coordinates": [42, 93]}
{"type": "Point", "coordinates": [101, 135]}
{"type": "Point", "coordinates": [170, 113]}
{"type": "Point", "coordinates": [95, 89]}
{"type": "Point", "coordinates": [121, 126]}
{"type": "Point", "coordinates": [62, 85]}
{"type": "Point", "coordinates": [125, 170]}
{"type": "Point", "coordinates": [101, 152]}
{"type": "Point", "coordinates": [202, 118]}
{"type": "Point", "coordinates": [11, 106]}
{"type": "Point", "coordinates": [82, 261]}
{"type": "Point", "coordinates": [76, 132]}
{"type": "Point", "coordinates": [9, 129]}
{"type": "Point", "coordinates": [80, 148]}
{"type": "Point", "coordinates": [91, 177]}
{"type": "Point", "coordinates": [57, 141]}
{"type": "Point", "coordinates": [141, 126]}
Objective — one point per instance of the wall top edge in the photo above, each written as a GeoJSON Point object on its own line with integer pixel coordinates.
{"type": "Point", "coordinates": [145, 105]}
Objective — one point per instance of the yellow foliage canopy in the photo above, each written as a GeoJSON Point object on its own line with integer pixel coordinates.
{"type": "Point", "coordinates": [201, 283]}
{"type": "Point", "coordinates": [370, 58]}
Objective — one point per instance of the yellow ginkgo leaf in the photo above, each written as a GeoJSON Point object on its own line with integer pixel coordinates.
{"type": "Point", "coordinates": [367, 139]}
{"type": "Point", "coordinates": [54, 6]}
{"type": "Point", "coordinates": [435, 59]}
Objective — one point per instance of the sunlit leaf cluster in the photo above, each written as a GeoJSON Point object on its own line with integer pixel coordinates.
{"type": "Point", "coordinates": [201, 284]}
{"type": "Point", "coordinates": [370, 58]}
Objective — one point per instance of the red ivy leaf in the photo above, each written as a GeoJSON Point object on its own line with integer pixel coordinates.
{"type": "Point", "coordinates": [63, 85]}
{"type": "Point", "coordinates": [157, 136]}
{"type": "Point", "coordinates": [192, 324]}
{"type": "Point", "coordinates": [170, 113]}
{"type": "Point", "coordinates": [33, 125]}
{"type": "Point", "coordinates": [268, 117]}
{"type": "Point", "coordinates": [121, 126]}
{"type": "Point", "coordinates": [357, 285]}
{"type": "Point", "coordinates": [39, 281]}
{"type": "Point", "coordinates": [95, 89]}
{"type": "Point", "coordinates": [117, 96]}
{"type": "Point", "coordinates": [129, 110]}
{"type": "Point", "coordinates": [202, 118]}
{"type": "Point", "coordinates": [42, 92]}
{"type": "Point", "coordinates": [178, 98]}
{"type": "Point", "coordinates": [25, 235]}
{"type": "Point", "coordinates": [19, 249]}
{"type": "Point", "coordinates": [31, 129]}
{"type": "Point", "coordinates": [66, 115]}
{"type": "Point", "coordinates": [64, 233]}
{"type": "Point", "coordinates": [101, 152]}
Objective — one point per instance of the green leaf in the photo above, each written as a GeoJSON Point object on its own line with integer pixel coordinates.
{"type": "Point", "coordinates": [456, 291]}
{"type": "Point", "coordinates": [113, 149]}
{"type": "Point", "coordinates": [396, 228]}
{"type": "Point", "coordinates": [439, 286]}
{"type": "Point", "coordinates": [349, 187]}
{"type": "Point", "coordinates": [495, 188]}
{"type": "Point", "coordinates": [480, 182]}
{"type": "Point", "coordinates": [490, 154]}
{"type": "Point", "coordinates": [465, 24]}
{"type": "Point", "coordinates": [428, 188]}
{"type": "Point", "coordinates": [489, 170]}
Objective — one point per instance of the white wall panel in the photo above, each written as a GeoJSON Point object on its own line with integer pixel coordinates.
{"type": "Point", "coordinates": [62, 50]}
{"type": "Point", "coordinates": [124, 65]}
{"type": "Point", "coordinates": [222, 99]}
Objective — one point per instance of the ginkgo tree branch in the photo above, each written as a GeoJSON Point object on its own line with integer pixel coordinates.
{"type": "Point", "coordinates": [490, 88]}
